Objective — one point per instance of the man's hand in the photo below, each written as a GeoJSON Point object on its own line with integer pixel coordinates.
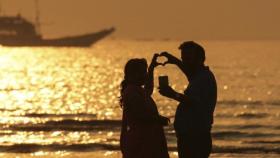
{"type": "Point", "coordinates": [167, 91]}
{"type": "Point", "coordinates": [170, 58]}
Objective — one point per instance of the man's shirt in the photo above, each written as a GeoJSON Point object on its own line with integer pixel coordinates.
{"type": "Point", "coordinates": [198, 114]}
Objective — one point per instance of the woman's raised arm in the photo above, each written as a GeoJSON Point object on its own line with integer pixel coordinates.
{"type": "Point", "coordinates": [149, 84]}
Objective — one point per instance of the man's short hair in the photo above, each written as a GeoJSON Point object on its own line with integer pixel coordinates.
{"type": "Point", "coordinates": [198, 49]}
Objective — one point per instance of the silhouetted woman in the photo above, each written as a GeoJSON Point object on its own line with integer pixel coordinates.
{"type": "Point", "coordinates": [142, 134]}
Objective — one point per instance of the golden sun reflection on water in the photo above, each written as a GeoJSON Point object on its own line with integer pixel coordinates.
{"type": "Point", "coordinates": [55, 81]}
{"type": "Point", "coordinates": [44, 85]}
{"type": "Point", "coordinates": [57, 97]}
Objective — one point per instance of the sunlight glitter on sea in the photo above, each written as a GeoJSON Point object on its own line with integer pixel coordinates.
{"type": "Point", "coordinates": [63, 102]}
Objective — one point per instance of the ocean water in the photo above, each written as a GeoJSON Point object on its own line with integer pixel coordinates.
{"type": "Point", "coordinates": [63, 102]}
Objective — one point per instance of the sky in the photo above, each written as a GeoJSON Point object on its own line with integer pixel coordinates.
{"type": "Point", "coordinates": [154, 19]}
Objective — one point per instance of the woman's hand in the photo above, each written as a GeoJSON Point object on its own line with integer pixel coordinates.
{"type": "Point", "coordinates": [149, 84]}
{"type": "Point", "coordinates": [154, 62]}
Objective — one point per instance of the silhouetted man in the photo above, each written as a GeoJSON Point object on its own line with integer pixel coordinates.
{"type": "Point", "coordinates": [194, 114]}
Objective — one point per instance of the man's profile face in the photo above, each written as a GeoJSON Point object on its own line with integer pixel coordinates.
{"type": "Point", "coordinates": [188, 58]}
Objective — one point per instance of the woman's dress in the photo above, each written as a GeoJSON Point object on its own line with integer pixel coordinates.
{"type": "Point", "coordinates": [142, 134]}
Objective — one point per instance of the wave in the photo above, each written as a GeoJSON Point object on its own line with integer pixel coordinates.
{"type": "Point", "coordinates": [243, 115]}
{"type": "Point", "coordinates": [251, 115]}
{"type": "Point", "coordinates": [246, 102]}
{"type": "Point", "coordinates": [70, 125]}
{"type": "Point", "coordinates": [248, 126]}
{"type": "Point", "coordinates": [94, 125]}
{"type": "Point", "coordinates": [60, 115]}
{"type": "Point", "coordinates": [236, 134]}
{"type": "Point", "coordinates": [263, 142]}
{"type": "Point", "coordinates": [89, 147]}
{"type": "Point", "coordinates": [90, 122]}
{"type": "Point", "coordinates": [45, 115]}
{"type": "Point", "coordinates": [234, 149]}
{"type": "Point", "coordinates": [29, 148]}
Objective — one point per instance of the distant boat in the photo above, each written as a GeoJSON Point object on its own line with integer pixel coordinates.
{"type": "Point", "coordinates": [17, 31]}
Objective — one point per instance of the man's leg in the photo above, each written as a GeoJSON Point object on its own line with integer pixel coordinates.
{"type": "Point", "coordinates": [201, 145]}
{"type": "Point", "coordinates": [205, 145]}
{"type": "Point", "coordinates": [184, 147]}
{"type": "Point", "coordinates": [197, 145]}
{"type": "Point", "coordinates": [181, 147]}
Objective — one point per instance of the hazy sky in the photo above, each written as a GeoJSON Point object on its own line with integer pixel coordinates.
{"type": "Point", "coordinates": [177, 19]}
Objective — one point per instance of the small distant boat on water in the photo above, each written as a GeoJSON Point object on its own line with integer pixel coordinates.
{"type": "Point", "coordinates": [18, 31]}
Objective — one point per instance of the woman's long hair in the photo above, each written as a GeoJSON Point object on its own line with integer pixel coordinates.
{"type": "Point", "coordinates": [132, 68]}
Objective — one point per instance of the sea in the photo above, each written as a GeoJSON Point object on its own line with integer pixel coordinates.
{"type": "Point", "coordinates": [64, 102]}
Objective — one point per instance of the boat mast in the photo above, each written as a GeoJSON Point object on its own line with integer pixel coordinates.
{"type": "Point", "coordinates": [1, 8]}
{"type": "Point", "coordinates": [37, 16]}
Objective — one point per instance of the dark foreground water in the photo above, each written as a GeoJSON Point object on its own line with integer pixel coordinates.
{"type": "Point", "coordinates": [63, 102]}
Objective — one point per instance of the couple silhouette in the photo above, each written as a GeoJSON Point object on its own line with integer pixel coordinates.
{"type": "Point", "coordinates": [142, 133]}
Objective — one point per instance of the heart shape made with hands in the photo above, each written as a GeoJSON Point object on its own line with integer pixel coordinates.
{"type": "Point", "coordinates": [162, 60]}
